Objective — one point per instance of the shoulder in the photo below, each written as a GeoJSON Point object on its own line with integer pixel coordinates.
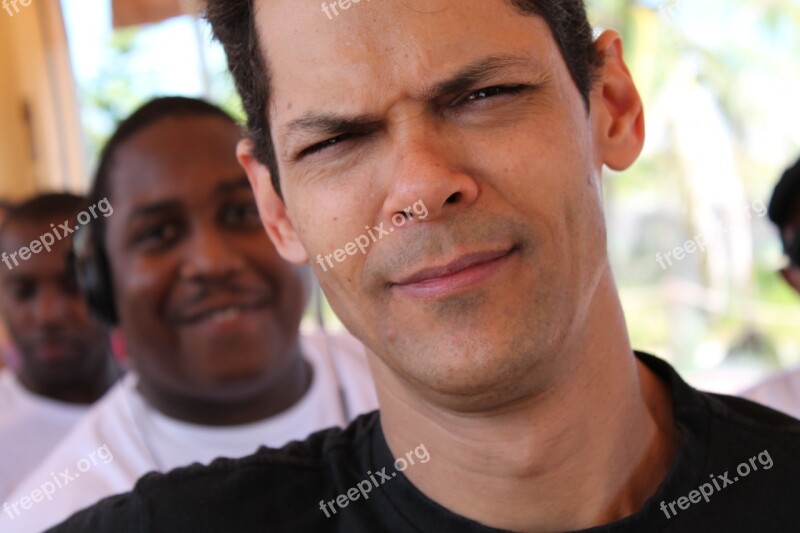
{"type": "Point", "coordinates": [739, 431]}
{"type": "Point", "coordinates": [312, 458]}
{"type": "Point", "coordinates": [228, 491]}
{"type": "Point", "coordinates": [729, 427]}
{"type": "Point", "coordinates": [781, 392]}
{"type": "Point", "coordinates": [741, 415]}
{"type": "Point", "coordinates": [106, 430]}
{"type": "Point", "coordinates": [108, 418]}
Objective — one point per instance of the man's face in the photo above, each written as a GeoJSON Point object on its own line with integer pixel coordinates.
{"type": "Point", "coordinates": [207, 306]}
{"type": "Point", "coordinates": [468, 107]}
{"type": "Point", "coordinates": [791, 235]}
{"type": "Point", "coordinates": [46, 315]}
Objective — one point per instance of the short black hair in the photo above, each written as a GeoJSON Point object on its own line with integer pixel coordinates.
{"type": "Point", "coordinates": [47, 207]}
{"type": "Point", "coordinates": [148, 114]}
{"type": "Point", "coordinates": [785, 198]}
{"type": "Point", "coordinates": [233, 24]}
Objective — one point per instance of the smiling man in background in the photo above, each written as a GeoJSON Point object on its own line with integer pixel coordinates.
{"type": "Point", "coordinates": [64, 364]}
{"type": "Point", "coordinates": [493, 326]}
{"type": "Point", "coordinates": [209, 312]}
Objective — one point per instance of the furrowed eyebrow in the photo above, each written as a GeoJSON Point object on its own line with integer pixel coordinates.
{"type": "Point", "coordinates": [475, 73]}
{"type": "Point", "coordinates": [327, 124]}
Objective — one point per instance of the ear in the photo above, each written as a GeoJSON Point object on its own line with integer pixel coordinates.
{"type": "Point", "coordinates": [792, 276]}
{"type": "Point", "coordinates": [270, 206]}
{"type": "Point", "coordinates": [119, 346]}
{"type": "Point", "coordinates": [617, 113]}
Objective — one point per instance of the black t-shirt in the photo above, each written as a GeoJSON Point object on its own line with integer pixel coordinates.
{"type": "Point", "coordinates": [737, 470]}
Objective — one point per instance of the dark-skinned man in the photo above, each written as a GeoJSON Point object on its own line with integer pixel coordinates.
{"type": "Point", "coordinates": [63, 364]}
{"type": "Point", "coordinates": [209, 312]}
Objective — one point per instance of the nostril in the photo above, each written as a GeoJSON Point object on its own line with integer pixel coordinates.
{"type": "Point", "coordinates": [455, 197]}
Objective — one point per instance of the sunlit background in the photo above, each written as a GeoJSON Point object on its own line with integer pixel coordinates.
{"type": "Point", "coordinates": [720, 81]}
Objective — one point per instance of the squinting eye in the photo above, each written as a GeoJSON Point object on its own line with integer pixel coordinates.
{"type": "Point", "coordinates": [489, 92]}
{"type": "Point", "coordinates": [319, 147]}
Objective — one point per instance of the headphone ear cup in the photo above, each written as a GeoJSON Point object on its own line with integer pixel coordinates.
{"type": "Point", "coordinates": [91, 270]}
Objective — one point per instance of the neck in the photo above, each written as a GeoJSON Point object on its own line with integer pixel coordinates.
{"type": "Point", "coordinates": [587, 448]}
{"type": "Point", "coordinates": [275, 397]}
{"type": "Point", "coordinates": [85, 390]}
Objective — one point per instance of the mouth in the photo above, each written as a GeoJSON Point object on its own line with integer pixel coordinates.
{"type": "Point", "coordinates": [52, 346]}
{"type": "Point", "coordinates": [463, 272]}
{"type": "Point", "coordinates": [221, 312]}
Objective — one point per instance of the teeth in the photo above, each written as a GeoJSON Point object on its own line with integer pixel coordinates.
{"type": "Point", "coordinates": [225, 314]}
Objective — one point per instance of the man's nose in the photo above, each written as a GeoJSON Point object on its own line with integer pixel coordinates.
{"type": "Point", "coordinates": [208, 254]}
{"type": "Point", "coordinates": [50, 306]}
{"type": "Point", "coordinates": [427, 170]}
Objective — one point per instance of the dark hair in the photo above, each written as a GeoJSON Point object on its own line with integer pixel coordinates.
{"type": "Point", "coordinates": [148, 114]}
{"type": "Point", "coordinates": [786, 197]}
{"type": "Point", "coordinates": [233, 25]}
{"type": "Point", "coordinates": [42, 208]}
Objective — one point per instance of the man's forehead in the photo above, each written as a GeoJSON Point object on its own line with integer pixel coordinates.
{"type": "Point", "coordinates": [147, 173]}
{"type": "Point", "coordinates": [179, 142]}
{"type": "Point", "coordinates": [41, 267]}
{"type": "Point", "coordinates": [24, 231]}
{"type": "Point", "coordinates": [388, 44]}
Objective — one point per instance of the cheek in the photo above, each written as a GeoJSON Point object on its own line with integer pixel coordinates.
{"type": "Point", "coordinates": [20, 314]}
{"type": "Point", "coordinates": [332, 239]}
{"type": "Point", "coordinates": [20, 320]}
{"type": "Point", "coordinates": [140, 288]}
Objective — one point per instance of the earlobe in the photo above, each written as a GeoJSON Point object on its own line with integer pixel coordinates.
{"type": "Point", "coordinates": [271, 207]}
{"type": "Point", "coordinates": [616, 107]}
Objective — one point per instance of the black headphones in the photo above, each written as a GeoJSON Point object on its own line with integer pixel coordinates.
{"type": "Point", "coordinates": [90, 264]}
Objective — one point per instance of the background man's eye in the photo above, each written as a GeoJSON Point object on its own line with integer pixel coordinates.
{"type": "Point", "coordinates": [22, 292]}
{"type": "Point", "coordinates": [158, 234]}
{"type": "Point", "coordinates": [241, 214]}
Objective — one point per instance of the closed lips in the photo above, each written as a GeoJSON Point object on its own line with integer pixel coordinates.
{"type": "Point", "coordinates": [462, 263]}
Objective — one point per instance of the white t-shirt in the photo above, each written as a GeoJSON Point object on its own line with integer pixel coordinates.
{"type": "Point", "coordinates": [781, 392]}
{"type": "Point", "coordinates": [30, 427]}
{"type": "Point", "coordinates": [122, 438]}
